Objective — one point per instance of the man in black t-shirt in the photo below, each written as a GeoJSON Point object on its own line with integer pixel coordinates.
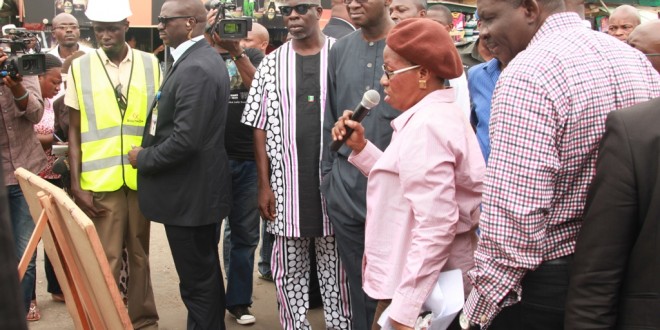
{"type": "Point", "coordinates": [243, 220]}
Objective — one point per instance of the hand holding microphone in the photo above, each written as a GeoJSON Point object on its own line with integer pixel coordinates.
{"type": "Point", "coordinates": [350, 122]}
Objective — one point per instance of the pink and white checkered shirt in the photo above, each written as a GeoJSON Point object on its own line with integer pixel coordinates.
{"type": "Point", "coordinates": [548, 116]}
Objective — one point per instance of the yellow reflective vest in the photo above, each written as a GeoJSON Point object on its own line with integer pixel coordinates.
{"type": "Point", "coordinates": [106, 135]}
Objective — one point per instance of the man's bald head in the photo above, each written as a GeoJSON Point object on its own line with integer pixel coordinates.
{"type": "Point", "coordinates": [402, 9]}
{"type": "Point", "coordinates": [646, 39]}
{"type": "Point", "coordinates": [260, 32]}
{"type": "Point", "coordinates": [257, 38]}
{"type": "Point", "coordinates": [187, 20]}
{"type": "Point", "coordinates": [192, 8]}
{"type": "Point", "coordinates": [64, 17]}
{"type": "Point", "coordinates": [622, 21]}
{"type": "Point", "coordinates": [442, 15]}
{"type": "Point", "coordinates": [627, 11]}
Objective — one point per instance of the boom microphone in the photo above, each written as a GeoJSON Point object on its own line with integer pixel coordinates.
{"type": "Point", "coordinates": [370, 99]}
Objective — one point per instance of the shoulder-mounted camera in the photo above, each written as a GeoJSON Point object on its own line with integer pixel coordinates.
{"type": "Point", "coordinates": [229, 28]}
{"type": "Point", "coordinates": [19, 60]}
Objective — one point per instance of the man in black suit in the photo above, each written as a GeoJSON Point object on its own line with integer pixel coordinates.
{"type": "Point", "coordinates": [614, 282]}
{"type": "Point", "coordinates": [183, 170]}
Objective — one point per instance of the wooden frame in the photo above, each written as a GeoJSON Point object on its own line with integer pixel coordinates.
{"type": "Point", "coordinates": [74, 249]}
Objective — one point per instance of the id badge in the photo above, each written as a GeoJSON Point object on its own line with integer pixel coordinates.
{"type": "Point", "coordinates": [154, 121]}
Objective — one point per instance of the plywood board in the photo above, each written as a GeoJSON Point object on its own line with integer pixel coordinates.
{"type": "Point", "coordinates": [73, 246]}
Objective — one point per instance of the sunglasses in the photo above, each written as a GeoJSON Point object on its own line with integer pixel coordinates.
{"type": "Point", "coordinates": [165, 19]}
{"type": "Point", "coordinates": [122, 102]}
{"type": "Point", "coordinates": [301, 9]}
{"type": "Point", "coordinates": [389, 73]}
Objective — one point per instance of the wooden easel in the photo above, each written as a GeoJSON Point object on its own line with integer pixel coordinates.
{"type": "Point", "coordinates": [74, 249]}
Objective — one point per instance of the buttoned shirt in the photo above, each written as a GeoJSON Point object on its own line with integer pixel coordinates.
{"type": "Point", "coordinates": [56, 52]}
{"type": "Point", "coordinates": [178, 51]}
{"type": "Point", "coordinates": [423, 197]}
{"type": "Point", "coordinates": [548, 116]}
{"type": "Point", "coordinates": [481, 82]}
{"type": "Point", "coordinates": [118, 74]}
{"type": "Point", "coordinates": [18, 141]}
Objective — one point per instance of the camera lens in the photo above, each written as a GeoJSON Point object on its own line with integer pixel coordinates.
{"type": "Point", "coordinates": [27, 65]}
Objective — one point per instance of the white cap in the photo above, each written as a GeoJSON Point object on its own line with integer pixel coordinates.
{"type": "Point", "coordinates": [108, 10]}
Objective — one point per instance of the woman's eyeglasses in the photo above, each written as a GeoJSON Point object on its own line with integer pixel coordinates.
{"type": "Point", "coordinates": [389, 73]}
{"type": "Point", "coordinates": [301, 9]}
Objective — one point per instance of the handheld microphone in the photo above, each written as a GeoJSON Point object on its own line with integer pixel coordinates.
{"type": "Point", "coordinates": [370, 99]}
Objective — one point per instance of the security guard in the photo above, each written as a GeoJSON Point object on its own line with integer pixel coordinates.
{"type": "Point", "coordinates": [110, 92]}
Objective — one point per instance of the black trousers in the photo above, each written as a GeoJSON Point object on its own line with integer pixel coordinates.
{"type": "Point", "coordinates": [197, 263]}
{"type": "Point", "coordinates": [543, 299]}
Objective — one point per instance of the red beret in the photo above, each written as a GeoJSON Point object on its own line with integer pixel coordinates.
{"type": "Point", "coordinates": [426, 42]}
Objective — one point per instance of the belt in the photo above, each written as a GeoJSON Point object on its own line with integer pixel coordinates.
{"type": "Point", "coordinates": [565, 260]}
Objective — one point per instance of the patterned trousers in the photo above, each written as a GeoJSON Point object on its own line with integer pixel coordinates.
{"type": "Point", "coordinates": [290, 266]}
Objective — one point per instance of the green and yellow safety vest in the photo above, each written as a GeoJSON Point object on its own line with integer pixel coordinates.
{"type": "Point", "coordinates": [106, 133]}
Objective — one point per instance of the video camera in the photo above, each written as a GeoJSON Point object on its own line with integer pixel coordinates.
{"type": "Point", "coordinates": [19, 61]}
{"type": "Point", "coordinates": [230, 28]}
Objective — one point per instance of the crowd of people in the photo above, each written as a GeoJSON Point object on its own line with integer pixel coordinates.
{"type": "Point", "coordinates": [527, 161]}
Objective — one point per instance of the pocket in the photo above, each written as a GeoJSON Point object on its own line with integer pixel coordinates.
{"type": "Point", "coordinates": [545, 288]}
{"type": "Point", "coordinates": [325, 183]}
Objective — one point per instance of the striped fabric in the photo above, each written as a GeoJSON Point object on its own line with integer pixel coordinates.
{"type": "Point", "coordinates": [291, 271]}
{"type": "Point", "coordinates": [548, 116]}
{"type": "Point", "coordinates": [271, 106]}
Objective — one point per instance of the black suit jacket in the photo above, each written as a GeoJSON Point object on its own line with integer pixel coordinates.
{"type": "Point", "coordinates": [183, 171]}
{"type": "Point", "coordinates": [615, 282]}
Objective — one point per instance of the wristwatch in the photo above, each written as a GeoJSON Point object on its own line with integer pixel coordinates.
{"type": "Point", "coordinates": [236, 58]}
{"type": "Point", "coordinates": [465, 323]}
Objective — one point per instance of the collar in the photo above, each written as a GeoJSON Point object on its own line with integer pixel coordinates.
{"type": "Point", "coordinates": [556, 23]}
{"type": "Point", "coordinates": [106, 60]}
{"type": "Point", "coordinates": [447, 95]}
{"type": "Point", "coordinates": [177, 52]}
{"type": "Point", "coordinates": [492, 66]}
{"type": "Point", "coordinates": [345, 21]}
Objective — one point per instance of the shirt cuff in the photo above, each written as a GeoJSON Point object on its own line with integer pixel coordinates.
{"type": "Point", "coordinates": [365, 159]}
{"type": "Point", "coordinates": [480, 310]}
{"type": "Point", "coordinates": [404, 309]}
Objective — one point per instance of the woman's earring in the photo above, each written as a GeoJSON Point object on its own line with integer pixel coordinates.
{"type": "Point", "coordinates": [422, 84]}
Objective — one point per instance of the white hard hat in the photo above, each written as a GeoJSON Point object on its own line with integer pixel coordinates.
{"type": "Point", "coordinates": [108, 10]}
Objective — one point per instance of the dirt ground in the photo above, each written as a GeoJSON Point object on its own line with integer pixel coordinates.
{"type": "Point", "coordinates": [168, 300]}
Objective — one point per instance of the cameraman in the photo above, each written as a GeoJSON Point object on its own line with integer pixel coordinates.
{"type": "Point", "coordinates": [21, 107]}
{"type": "Point", "coordinates": [243, 221]}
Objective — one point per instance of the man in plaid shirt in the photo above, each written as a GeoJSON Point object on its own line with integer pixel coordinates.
{"type": "Point", "coordinates": [548, 116]}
